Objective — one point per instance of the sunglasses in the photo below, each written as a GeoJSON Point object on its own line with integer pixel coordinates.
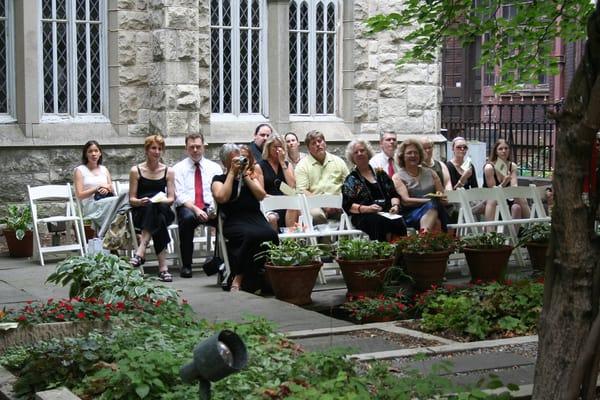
{"type": "Point", "coordinates": [462, 147]}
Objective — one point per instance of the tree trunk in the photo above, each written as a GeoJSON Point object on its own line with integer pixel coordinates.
{"type": "Point", "coordinates": [567, 354]}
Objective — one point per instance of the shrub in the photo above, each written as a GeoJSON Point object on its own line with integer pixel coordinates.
{"type": "Point", "coordinates": [384, 307]}
{"type": "Point", "coordinates": [426, 242]}
{"type": "Point", "coordinates": [364, 249]}
{"type": "Point", "coordinates": [483, 311]}
{"type": "Point", "coordinates": [107, 277]}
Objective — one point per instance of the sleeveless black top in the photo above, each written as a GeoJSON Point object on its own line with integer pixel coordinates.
{"type": "Point", "coordinates": [149, 187]}
{"type": "Point", "coordinates": [271, 178]}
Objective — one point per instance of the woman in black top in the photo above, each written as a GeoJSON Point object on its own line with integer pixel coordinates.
{"type": "Point", "coordinates": [275, 171]}
{"type": "Point", "coordinates": [459, 177]}
{"type": "Point", "coordinates": [151, 211]}
{"type": "Point", "coordinates": [366, 192]}
{"type": "Point", "coordinates": [238, 194]}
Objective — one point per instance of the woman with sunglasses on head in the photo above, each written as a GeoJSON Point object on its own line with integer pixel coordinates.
{"type": "Point", "coordinates": [500, 171]}
{"type": "Point", "coordinates": [462, 171]}
{"type": "Point", "coordinates": [275, 170]}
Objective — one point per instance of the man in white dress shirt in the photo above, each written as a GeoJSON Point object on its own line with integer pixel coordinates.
{"type": "Point", "coordinates": [385, 158]}
{"type": "Point", "coordinates": [193, 178]}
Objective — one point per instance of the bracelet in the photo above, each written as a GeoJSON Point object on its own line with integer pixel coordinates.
{"type": "Point", "coordinates": [359, 206]}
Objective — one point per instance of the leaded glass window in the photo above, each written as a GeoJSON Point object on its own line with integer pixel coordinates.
{"type": "Point", "coordinates": [312, 56]}
{"type": "Point", "coordinates": [72, 56]}
{"type": "Point", "coordinates": [6, 59]}
{"type": "Point", "coordinates": [237, 56]}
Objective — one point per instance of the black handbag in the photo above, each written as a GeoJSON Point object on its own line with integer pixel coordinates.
{"type": "Point", "coordinates": [98, 196]}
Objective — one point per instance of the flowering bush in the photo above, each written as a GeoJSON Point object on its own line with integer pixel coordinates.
{"type": "Point", "coordinates": [77, 309]}
{"type": "Point", "coordinates": [383, 307]}
{"type": "Point", "coordinates": [427, 242]}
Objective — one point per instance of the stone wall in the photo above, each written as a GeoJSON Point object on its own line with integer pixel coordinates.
{"type": "Point", "coordinates": [405, 100]}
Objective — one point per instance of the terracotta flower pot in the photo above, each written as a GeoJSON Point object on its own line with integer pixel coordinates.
{"type": "Point", "coordinates": [426, 269]}
{"type": "Point", "coordinates": [537, 255]}
{"type": "Point", "coordinates": [293, 284]}
{"type": "Point", "coordinates": [19, 248]}
{"type": "Point", "coordinates": [90, 233]}
{"type": "Point", "coordinates": [487, 264]}
{"type": "Point", "coordinates": [359, 284]}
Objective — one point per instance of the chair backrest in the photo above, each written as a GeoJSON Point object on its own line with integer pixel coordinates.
{"type": "Point", "coordinates": [51, 192]}
{"type": "Point", "coordinates": [121, 186]}
{"type": "Point", "coordinates": [530, 193]}
{"type": "Point", "coordinates": [323, 201]}
{"type": "Point", "coordinates": [270, 203]}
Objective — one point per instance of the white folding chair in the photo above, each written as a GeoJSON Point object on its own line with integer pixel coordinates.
{"type": "Point", "coordinates": [271, 203]}
{"type": "Point", "coordinates": [222, 250]}
{"type": "Point", "coordinates": [344, 228]}
{"type": "Point", "coordinates": [50, 193]}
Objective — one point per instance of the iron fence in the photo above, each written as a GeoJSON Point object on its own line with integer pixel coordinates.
{"type": "Point", "coordinates": [526, 127]}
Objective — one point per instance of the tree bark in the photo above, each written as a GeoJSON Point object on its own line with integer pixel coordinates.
{"type": "Point", "coordinates": [571, 289]}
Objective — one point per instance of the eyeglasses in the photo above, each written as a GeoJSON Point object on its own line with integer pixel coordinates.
{"type": "Point", "coordinates": [462, 147]}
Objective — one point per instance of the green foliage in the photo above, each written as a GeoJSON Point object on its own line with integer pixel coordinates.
{"type": "Point", "coordinates": [364, 249]}
{"type": "Point", "coordinates": [538, 233]}
{"type": "Point", "coordinates": [426, 243]}
{"type": "Point", "coordinates": [18, 218]}
{"type": "Point", "coordinates": [386, 307]}
{"type": "Point", "coordinates": [486, 240]}
{"type": "Point", "coordinates": [107, 277]}
{"type": "Point", "coordinates": [292, 252]}
{"type": "Point", "coordinates": [483, 311]}
{"type": "Point", "coordinates": [520, 45]}
{"type": "Point", "coordinates": [141, 358]}
{"type": "Point", "coordinates": [88, 309]}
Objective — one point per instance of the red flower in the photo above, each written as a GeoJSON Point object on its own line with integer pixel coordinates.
{"type": "Point", "coordinates": [68, 307]}
{"type": "Point", "coordinates": [120, 305]}
{"type": "Point", "coordinates": [107, 316]}
{"type": "Point", "coordinates": [184, 301]}
{"type": "Point", "coordinates": [50, 301]}
{"type": "Point", "coordinates": [81, 315]}
{"type": "Point", "coordinates": [60, 316]}
{"type": "Point", "coordinates": [21, 318]}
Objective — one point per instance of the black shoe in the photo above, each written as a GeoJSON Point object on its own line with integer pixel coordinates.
{"type": "Point", "coordinates": [186, 272]}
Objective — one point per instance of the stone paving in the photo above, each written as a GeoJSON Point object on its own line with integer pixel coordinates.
{"type": "Point", "coordinates": [23, 279]}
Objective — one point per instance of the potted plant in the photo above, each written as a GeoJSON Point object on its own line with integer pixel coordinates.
{"type": "Point", "coordinates": [363, 263]}
{"type": "Point", "coordinates": [292, 268]}
{"type": "Point", "coordinates": [487, 255]}
{"type": "Point", "coordinates": [17, 230]}
{"type": "Point", "coordinates": [536, 238]}
{"type": "Point", "coordinates": [425, 257]}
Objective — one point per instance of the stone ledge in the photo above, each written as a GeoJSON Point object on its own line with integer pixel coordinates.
{"type": "Point", "coordinates": [24, 335]}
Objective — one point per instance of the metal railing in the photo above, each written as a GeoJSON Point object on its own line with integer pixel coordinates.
{"type": "Point", "coordinates": [526, 127]}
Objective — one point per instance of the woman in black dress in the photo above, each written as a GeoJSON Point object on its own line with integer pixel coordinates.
{"type": "Point", "coordinates": [275, 170]}
{"type": "Point", "coordinates": [151, 194]}
{"type": "Point", "coordinates": [366, 192]}
{"type": "Point", "coordinates": [238, 194]}
{"type": "Point", "coordinates": [459, 176]}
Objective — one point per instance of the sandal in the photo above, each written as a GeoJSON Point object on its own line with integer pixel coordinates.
{"type": "Point", "coordinates": [234, 288]}
{"type": "Point", "coordinates": [137, 261]}
{"type": "Point", "coordinates": [165, 276]}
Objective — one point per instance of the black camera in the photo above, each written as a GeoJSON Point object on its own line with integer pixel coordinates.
{"type": "Point", "coordinates": [243, 162]}
{"type": "Point", "coordinates": [380, 202]}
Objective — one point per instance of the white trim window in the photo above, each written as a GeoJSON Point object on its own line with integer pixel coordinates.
{"type": "Point", "coordinates": [7, 72]}
{"type": "Point", "coordinates": [238, 57]}
{"type": "Point", "coordinates": [312, 25]}
{"type": "Point", "coordinates": [72, 54]}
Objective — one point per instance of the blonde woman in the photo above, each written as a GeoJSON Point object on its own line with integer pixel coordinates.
{"type": "Point", "coordinates": [275, 170]}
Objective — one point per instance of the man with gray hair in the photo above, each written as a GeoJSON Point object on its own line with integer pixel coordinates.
{"type": "Point", "coordinates": [385, 158]}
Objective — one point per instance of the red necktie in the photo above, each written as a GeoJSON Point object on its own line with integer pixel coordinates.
{"type": "Point", "coordinates": [199, 197]}
{"type": "Point", "coordinates": [390, 167]}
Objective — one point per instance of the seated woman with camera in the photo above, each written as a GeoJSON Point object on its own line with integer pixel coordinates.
{"type": "Point", "coordinates": [367, 193]}
{"type": "Point", "coordinates": [238, 193]}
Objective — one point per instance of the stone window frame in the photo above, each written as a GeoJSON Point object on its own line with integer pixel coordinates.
{"type": "Point", "coordinates": [263, 108]}
{"type": "Point", "coordinates": [72, 97]}
{"type": "Point", "coordinates": [9, 65]}
{"type": "Point", "coordinates": [312, 34]}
